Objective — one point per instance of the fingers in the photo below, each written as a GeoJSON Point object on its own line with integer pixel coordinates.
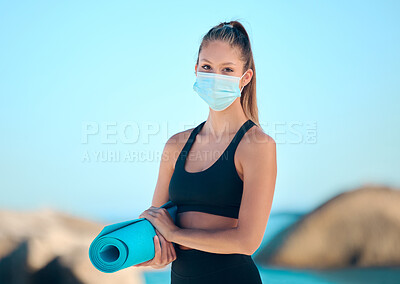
{"type": "Point", "coordinates": [173, 253]}
{"type": "Point", "coordinates": [160, 250]}
{"type": "Point", "coordinates": [144, 214]}
{"type": "Point", "coordinates": [164, 251]}
{"type": "Point", "coordinates": [143, 263]}
{"type": "Point", "coordinates": [154, 212]}
{"type": "Point", "coordinates": [157, 246]}
{"type": "Point", "coordinates": [167, 248]}
{"type": "Point", "coordinates": [147, 211]}
{"type": "Point", "coordinates": [148, 214]}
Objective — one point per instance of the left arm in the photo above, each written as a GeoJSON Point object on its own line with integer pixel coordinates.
{"type": "Point", "coordinates": [259, 171]}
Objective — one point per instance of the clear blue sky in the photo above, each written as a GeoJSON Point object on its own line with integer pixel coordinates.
{"type": "Point", "coordinates": [64, 65]}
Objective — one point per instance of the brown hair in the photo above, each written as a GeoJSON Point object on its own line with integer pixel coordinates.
{"type": "Point", "coordinates": [235, 35]}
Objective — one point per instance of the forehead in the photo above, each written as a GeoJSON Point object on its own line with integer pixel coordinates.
{"type": "Point", "coordinates": [219, 52]}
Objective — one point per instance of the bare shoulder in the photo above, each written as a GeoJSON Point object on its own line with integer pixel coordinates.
{"type": "Point", "coordinates": [175, 144]}
{"type": "Point", "coordinates": [256, 148]}
{"type": "Point", "coordinates": [170, 154]}
{"type": "Point", "coordinates": [255, 140]}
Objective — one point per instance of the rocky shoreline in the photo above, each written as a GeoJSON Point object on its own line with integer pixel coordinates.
{"type": "Point", "coordinates": [358, 228]}
{"type": "Point", "coordinates": [47, 246]}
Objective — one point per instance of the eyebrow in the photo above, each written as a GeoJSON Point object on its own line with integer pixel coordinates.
{"type": "Point", "coordinates": [226, 63]}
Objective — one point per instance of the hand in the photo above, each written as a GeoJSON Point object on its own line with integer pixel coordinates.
{"type": "Point", "coordinates": [162, 221]}
{"type": "Point", "coordinates": [164, 253]}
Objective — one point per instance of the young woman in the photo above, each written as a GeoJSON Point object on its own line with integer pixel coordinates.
{"type": "Point", "coordinates": [223, 178]}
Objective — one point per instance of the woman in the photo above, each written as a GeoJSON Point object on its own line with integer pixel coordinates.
{"type": "Point", "coordinates": [224, 200]}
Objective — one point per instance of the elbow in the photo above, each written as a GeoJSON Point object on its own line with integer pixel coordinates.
{"type": "Point", "coordinates": [249, 244]}
{"type": "Point", "coordinates": [250, 249]}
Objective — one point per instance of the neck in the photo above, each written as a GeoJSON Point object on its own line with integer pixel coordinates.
{"type": "Point", "coordinates": [224, 123]}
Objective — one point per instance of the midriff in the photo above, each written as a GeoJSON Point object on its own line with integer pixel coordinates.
{"type": "Point", "coordinates": [202, 220]}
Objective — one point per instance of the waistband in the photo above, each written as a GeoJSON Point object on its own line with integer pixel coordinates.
{"type": "Point", "coordinates": [193, 262]}
{"type": "Point", "coordinates": [195, 252]}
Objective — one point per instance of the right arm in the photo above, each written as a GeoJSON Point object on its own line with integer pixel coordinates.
{"type": "Point", "coordinates": [166, 169]}
{"type": "Point", "coordinates": [164, 250]}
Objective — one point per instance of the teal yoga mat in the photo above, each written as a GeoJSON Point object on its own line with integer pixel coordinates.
{"type": "Point", "coordinates": [124, 244]}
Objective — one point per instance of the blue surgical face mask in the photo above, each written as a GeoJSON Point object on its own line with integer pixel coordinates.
{"type": "Point", "coordinates": [217, 90]}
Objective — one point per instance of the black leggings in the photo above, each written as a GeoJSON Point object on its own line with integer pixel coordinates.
{"type": "Point", "coordinates": [196, 266]}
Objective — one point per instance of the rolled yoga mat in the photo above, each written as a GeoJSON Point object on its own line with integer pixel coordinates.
{"type": "Point", "coordinates": [124, 244]}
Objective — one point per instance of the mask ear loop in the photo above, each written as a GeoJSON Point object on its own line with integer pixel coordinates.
{"type": "Point", "coordinates": [241, 79]}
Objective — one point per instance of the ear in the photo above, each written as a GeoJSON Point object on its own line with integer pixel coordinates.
{"type": "Point", "coordinates": [247, 78]}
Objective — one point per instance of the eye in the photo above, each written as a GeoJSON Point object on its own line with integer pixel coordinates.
{"type": "Point", "coordinates": [207, 67]}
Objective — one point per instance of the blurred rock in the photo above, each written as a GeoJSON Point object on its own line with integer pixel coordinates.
{"type": "Point", "coordinates": [358, 228]}
{"type": "Point", "coordinates": [15, 259]}
{"type": "Point", "coordinates": [47, 246]}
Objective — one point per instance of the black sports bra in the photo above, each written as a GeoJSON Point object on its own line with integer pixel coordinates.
{"type": "Point", "coordinates": [217, 189]}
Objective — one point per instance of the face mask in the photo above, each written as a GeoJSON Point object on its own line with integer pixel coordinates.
{"type": "Point", "coordinates": [218, 91]}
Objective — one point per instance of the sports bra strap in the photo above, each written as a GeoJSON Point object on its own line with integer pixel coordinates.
{"type": "Point", "coordinates": [190, 141]}
{"type": "Point", "coordinates": [239, 135]}
{"type": "Point", "coordinates": [231, 147]}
